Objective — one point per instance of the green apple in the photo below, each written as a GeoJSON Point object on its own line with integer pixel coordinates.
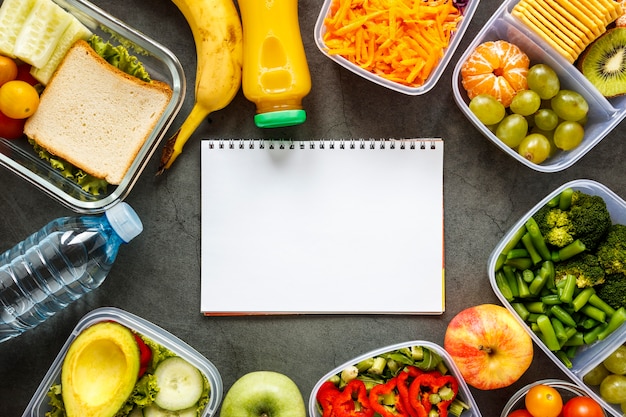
{"type": "Point", "coordinates": [263, 394]}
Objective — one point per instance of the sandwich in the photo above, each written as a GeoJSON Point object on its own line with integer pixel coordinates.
{"type": "Point", "coordinates": [96, 116]}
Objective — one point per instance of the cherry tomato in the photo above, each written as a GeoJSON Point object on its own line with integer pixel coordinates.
{"type": "Point", "coordinates": [8, 69]}
{"type": "Point", "coordinates": [18, 99]}
{"type": "Point", "coordinates": [543, 401]}
{"type": "Point", "coordinates": [11, 128]}
{"type": "Point", "coordinates": [145, 355]}
{"type": "Point", "coordinates": [522, 412]}
{"type": "Point", "coordinates": [582, 407]}
{"type": "Point", "coordinates": [23, 73]}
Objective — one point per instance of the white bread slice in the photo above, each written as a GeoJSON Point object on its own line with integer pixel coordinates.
{"type": "Point", "coordinates": [94, 115]}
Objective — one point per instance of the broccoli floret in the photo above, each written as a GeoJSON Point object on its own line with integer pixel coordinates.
{"type": "Point", "coordinates": [590, 218]}
{"type": "Point", "coordinates": [585, 267]}
{"type": "Point", "coordinates": [586, 218]}
{"type": "Point", "coordinates": [613, 290]}
{"type": "Point", "coordinates": [612, 250]}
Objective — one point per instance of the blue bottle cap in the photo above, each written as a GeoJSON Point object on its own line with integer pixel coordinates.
{"type": "Point", "coordinates": [124, 221]}
{"type": "Point", "coordinates": [280, 118]}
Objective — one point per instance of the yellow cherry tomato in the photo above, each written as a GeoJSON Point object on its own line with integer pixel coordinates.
{"type": "Point", "coordinates": [18, 99]}
{"type": "Point", "coordinates": [8, 69]}
{"type": "Point", "coordinates": [543, 401]}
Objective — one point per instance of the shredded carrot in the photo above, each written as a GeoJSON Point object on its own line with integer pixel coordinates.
{"type": "Point", "coordinates": [400, 40]}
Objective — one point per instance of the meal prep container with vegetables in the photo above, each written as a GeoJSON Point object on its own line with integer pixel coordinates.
{"type": "Point", "coordinates": [566, 389]}
{"type": "Point", "coordinates": [435, 75]}
{"type": "Point", "coordinates": [38, 405]}
{"type": "Point", "coordinates": [464, 393]}
{"type": "Point", "coordinates": [604, 114]}
{"type": "Point", "coordinates": [18, 155]}
{"type": "Point", "coordinates": [588, 356]}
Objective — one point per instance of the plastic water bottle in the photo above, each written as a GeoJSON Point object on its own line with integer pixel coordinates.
{"type": "Point", "coordinates": [66, 259]}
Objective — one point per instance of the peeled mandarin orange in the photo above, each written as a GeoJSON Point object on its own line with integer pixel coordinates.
{"type": "Point", "coordinates": [497, 68]}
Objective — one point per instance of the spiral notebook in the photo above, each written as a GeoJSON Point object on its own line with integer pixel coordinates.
{"type": "Point", "coordinates": [322, 227]}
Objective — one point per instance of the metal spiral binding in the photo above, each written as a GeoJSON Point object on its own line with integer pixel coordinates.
{"type": "Point", "coordinates": [361, 143]}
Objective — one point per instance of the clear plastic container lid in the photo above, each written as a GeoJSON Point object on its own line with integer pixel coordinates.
{"type": "Point", "coordinates": [38, 405]}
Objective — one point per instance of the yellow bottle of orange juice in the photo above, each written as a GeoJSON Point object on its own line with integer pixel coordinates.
{"type": "Point", "coordinates": [275, 70]}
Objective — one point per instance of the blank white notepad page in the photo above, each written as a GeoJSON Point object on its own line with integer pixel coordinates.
{"type": "Point", "coordinates": [322, 227]}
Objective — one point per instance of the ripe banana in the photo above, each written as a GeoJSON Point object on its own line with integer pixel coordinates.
{"type": "Point", "coordinates": [217, 33]}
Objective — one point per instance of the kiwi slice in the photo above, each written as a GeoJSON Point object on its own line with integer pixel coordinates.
{"type": "Point", "coordinates": [604, 63]}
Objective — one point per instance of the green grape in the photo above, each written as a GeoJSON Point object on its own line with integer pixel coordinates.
{"type": "Point", "coordinates": [487, 109]}
{"type": "Point", "coordinates": [568, 135]}
{"type": "Point", "coordinates": [546, 119]}
{"type": "Point", "coordinates": [512, 129]}
{"type": "Point", "coordinates": [549, 134]}
{"type": "Point", "coordinates": [542, 79]}
{"type": "Point", "coordinates": [525, 102]}
{"type": "Point", "coordinates": [616, 361]}
{"type": "Point", "coordinates": [596, 375]}
{"type": "Point", "coordinates": [613, 389]}
{"type": "Point", "coordinates": [535, 148]}
{"type": "Point", "coordinates": [569, 105]}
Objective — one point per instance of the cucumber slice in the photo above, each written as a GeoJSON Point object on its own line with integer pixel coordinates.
{"type": "Point", "coordinates": [75, 31]}
{"type": "Point", "coordinates": [13, 14]}
{"type": "Point", "coordinates": [154, 411]}
{"type": "Point", "coordinates": [41, 32]}
{"type": "Point", "coordinates": [180, 384]}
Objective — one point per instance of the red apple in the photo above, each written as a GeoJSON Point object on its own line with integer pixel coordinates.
{"type": "Point", "coordinates": [489, 346]}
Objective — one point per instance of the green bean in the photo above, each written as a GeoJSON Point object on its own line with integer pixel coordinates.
{"type": "Point", "coordinates": [575, 340]}
{"type": "Point", "coordinates": [509, 274]}
{"type": "Point", "coordinates": [530, 248]}
{"type": "Point", "coordinates": [565, 199]}
{"type": "Point", "coordinates": [564, 357]}
{"type": "Point", "coordinates": [519, 263]}
{"type": "Point", "coordinates": [588, 323]}
{"type": "Point", "coordinates": [561, 314]}
{"type": "Point", "coordinates": [567, 293]}
{"type": "Point", "coordinates": [503, 285]}
{"type": "Point", "coordinates": [522, 287]}
{"type": "Point", "coordinates": [517, 253]}
{"type": "Point", "coordinates": [549, 335]}
{"type": "Point", "coordinates": [551, 299]}
{"type": "Point", "coordinates": [597, 302]}
{"type": "Point", "coordinates": [512, 243]}
{"type": "Point", "coordinates": [582, 298]}
{"type": "Point", "coordinates": [528, 275]}
{"type": "Point", "coordinates": [521, 310]}
{"type": "Point", "coordinates": [546, 272]}
{"type": "Point", "coordinates": [615, 321]}
{"type": "Point", "coordinates": [568, 251]}
{"type": "Point", "coordinates": [593, 312]}
{"type": "Point", "coordinates": [559, 330]}
{"type": "Point", "coordinates": [592, 335]}
{"type": "Point", "coordinates": [538, 240]}
{"type": "Point", "coordinates": [536, 307]}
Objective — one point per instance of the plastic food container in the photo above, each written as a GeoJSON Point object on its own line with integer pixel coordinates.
{"type": "Point", "coordinates": [464, 392]}
{"type": "Point", "coordinates": [588, 356]}
{"type": "Point", "coordinates": [320, 30]}
{"type": "Point", "coordinates": [604, 114]}
{"type": "Point", "coordinates": [38, 405]}
{"type": "Point", "coordinates": [18, 155]}
{"type": "Point", "coordinates": [566, 389]}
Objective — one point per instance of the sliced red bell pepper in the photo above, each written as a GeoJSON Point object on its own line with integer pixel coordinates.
{"type": "Point", "coordinates": [383, 389]}
{"type": "Point", "coordinates": [427, 384]}
{"type": "Point", "coordinates": [405, 377]}
{"type": "Point", "coordinates": [326, 394]}
{"type": "Point", "coordinates": [353, 401]}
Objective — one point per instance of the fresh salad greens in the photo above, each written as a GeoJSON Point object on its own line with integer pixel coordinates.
{"type": "Point", "coordinates": [409, 382]}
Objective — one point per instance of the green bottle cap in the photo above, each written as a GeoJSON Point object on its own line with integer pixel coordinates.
{"type": "Point", "coordinates": [280, 118]}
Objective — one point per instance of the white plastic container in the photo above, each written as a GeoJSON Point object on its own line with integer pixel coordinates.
{"type": "Point", "coordinates": [464, 393]}
{"type": "Point", "coordinates": [437, 72]}
{"type": "Point", "coordinates": [588, 356]}
{"type": "Point", "coordinates": [18, 155]}
{"type": "Point", "coordinates": [38, 405]}
{"type": "Point", "coordinates": [566, 389]}
{"type": "Point", "coordinates": [604, 114]}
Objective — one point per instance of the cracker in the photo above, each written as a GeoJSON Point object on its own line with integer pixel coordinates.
{"type": "Point", "coordinates": [578, 17]}
{"type": "Point", "coordinates": [574, 33]}
{"type": "Point", "coordinates": [565, 39]}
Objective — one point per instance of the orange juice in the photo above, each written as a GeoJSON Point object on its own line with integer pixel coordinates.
{"type": "Point", "coordinates": [275, 70]}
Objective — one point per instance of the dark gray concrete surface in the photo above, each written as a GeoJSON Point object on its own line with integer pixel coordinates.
{"type": "Point", "coordinates": [157, 276]}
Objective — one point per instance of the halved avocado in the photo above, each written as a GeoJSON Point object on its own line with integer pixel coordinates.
{"type": "Point", "coordinates": [99, 370]}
